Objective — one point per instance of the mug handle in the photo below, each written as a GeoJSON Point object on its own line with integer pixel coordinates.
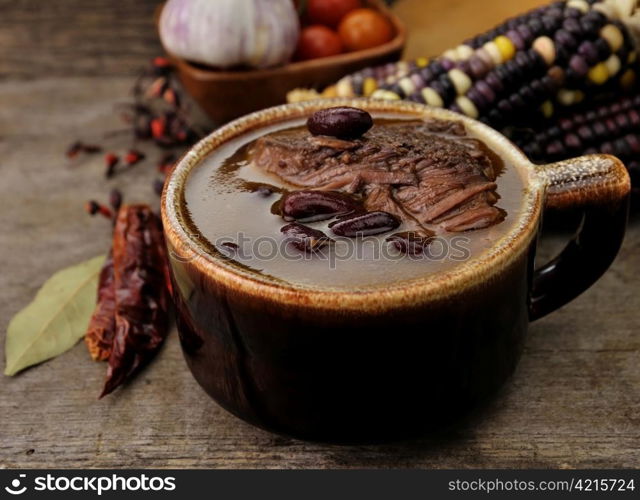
{"type": "Point", "coordinates": [599, 185]}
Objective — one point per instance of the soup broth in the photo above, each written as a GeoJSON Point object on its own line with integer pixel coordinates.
{"type": "Point", "coordinates": [232, 204]}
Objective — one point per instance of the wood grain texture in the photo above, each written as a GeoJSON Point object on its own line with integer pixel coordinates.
{"type": "Point", "coordinates": [76, 37]}
{"type": "Point", "coordinates": [573, 402]}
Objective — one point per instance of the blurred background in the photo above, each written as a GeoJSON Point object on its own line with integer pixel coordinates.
{"type": "Point", "coordinates": [114, 37]}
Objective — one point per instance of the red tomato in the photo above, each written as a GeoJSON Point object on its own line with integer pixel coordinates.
{"type": "Point", "coordinates": [317, 41]}
{"type": "Point", "coordinates": [330, 12]}
{"type": "Point", "coordinates": [364, 28]}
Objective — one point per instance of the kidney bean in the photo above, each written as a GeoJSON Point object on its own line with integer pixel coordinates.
{"type": "Point", "coordinates": [343, 122]}
{"type": "Point", "coordinates": [308, 205]}
{"type": "Point", "coordinates": [304, 238]}
{"type": "Point", "coordinates": [365, 224]}
{"type": "Point", "coordinates": [411, 242]}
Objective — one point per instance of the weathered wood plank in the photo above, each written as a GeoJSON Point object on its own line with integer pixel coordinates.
{"type": "Point", "coordinates": [76, 37]}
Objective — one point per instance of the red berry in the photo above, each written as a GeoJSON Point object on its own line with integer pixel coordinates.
{"type": "Point", "coordinates": [133, 157]}
{"type": "Point", "coordinates": [161, 62]}
{"type": "Point", "coordinates": [111, 159]}
{"type": "Point", "coordinates": [158, 127]}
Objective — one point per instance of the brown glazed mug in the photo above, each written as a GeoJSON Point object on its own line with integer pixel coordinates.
{"type": "Point", "coordinates": [381, 363]}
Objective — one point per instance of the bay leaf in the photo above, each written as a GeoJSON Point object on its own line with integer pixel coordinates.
{"type": "Point", "coordinates": [56, 318]}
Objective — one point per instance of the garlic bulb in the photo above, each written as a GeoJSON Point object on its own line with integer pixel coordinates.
{"type": "Point", "coordinates": [227, 33]}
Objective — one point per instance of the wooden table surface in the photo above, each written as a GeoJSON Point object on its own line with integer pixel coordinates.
{"type": "Point", "coordinates": [573, 402]}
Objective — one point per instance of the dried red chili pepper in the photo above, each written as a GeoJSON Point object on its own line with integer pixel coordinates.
{"type": "Point", "coordinates": [102, 327]}
{"type": "Point", "coordinates": [142, 292]}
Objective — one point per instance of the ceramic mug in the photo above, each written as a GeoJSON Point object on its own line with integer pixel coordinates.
{"type": "Point", "coordinates": [385, 362]}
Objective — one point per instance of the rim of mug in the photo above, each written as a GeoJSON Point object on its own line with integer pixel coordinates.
{"type": "Point", "coordinates": [407, 292]}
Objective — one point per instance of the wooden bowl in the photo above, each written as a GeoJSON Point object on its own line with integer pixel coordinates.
{"type": "Point", "coordinates": [225, 95]}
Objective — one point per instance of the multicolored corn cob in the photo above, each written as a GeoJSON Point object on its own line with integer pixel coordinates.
{"type": "Point", "coordinates": [555, 56]}
{"type": "Point", "coordinates": [544, 70]}
{"type": "Point", "coordinates": [363, 82]}
{"type": "Point", "coordinates": [368, 80]}
{"type": "Point", "coordinates": [612, 128]}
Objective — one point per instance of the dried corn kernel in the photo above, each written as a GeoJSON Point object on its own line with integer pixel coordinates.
{"type": "Point", "coordinates": [460, 81]}
{"type": "Point", "coordinates": [581, 5]}
{"type": "Point", "coordinates": [613, 64]}
{"type": "Point", "coordinates": [547, 109]}
{"type": "Point", "coordinates": [407, 85]}
{"type": "Point", "coordinates": [566, 97]}
{"type": "Point", "coordinates": [506, 47]}
{"type": "Point", "coordinates": [494, 52]}
{"type": "Point", "coordinates": [300, 95]}
{"type": "Point", "coordinates": [386, 95]}
{"type": "Point", "coordinates": [432, 98]}
{"type": "Point", "coordinates": [450, 54]}
{"type": "Point", "coordinates": [612, 36]}
{"type": "Point", "coordinates": [467, 107]}
{"type": "Point", "coordinates": [330, 92]}
{"type": "Point", "coordinates": [598, 74]}
{"type": "Point", "coordinates": [344, 88]}
{"type": "Point", "coordinates": [369, 86]}
{"type": "Point", "coordinates": [464, 52]}
{"type": "Point", "coordinates": [544, 46]}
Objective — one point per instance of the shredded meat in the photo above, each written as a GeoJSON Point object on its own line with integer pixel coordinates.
{"type": "Point", "coordinates": [428, 173]}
